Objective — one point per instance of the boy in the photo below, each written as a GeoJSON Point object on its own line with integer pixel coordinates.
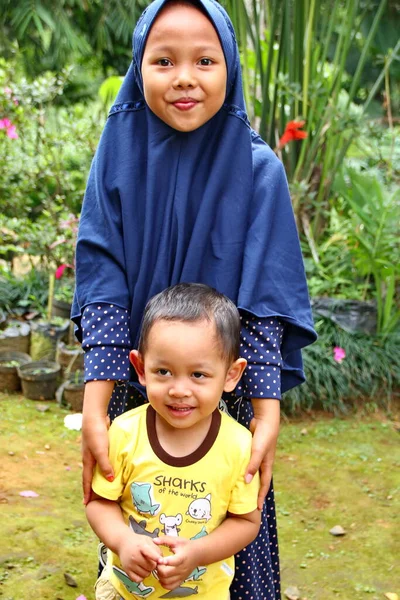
{"type": "Point", "coordinates": [179, 462]}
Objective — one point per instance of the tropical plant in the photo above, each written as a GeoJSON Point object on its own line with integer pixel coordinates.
{"type": "Point", "coordinates": [372, 216]}
{"type": "Point", "coordinates": [341, 367]}
{"type": "Point", "coordinates": [55, 33]}
{"type": "Point", "coordinates": [294, 57]}
{"type": "Point", "coordinates": [21, 294]}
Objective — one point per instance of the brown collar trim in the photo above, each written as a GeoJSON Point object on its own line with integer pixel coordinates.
{"type": "Point", "coordinates": [181, 461]}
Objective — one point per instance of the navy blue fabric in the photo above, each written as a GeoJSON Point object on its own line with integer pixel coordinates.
{"type": "Point", "coordinates": [210, 206]}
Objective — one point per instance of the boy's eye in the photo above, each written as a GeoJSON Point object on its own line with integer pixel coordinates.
{"type": "Point", "coordinates": [198, 375]}
{"type": "Point", "coordinates": [164, 62]}
{"type": "Point", "coordinates": [205, 62]}
{"type": "Point", "coordinates": [163, 372]}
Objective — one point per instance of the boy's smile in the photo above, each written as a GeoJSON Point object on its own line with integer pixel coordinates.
{"type": "Point", "coordinates": [185, 373]}
{"type": "Point", "coordinates": [183, 68]}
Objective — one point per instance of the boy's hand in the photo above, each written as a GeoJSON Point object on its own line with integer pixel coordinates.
{"type": "Point", "coordinates": [173, 570]}
{"type": "Point", "coordinates": [139, 556]}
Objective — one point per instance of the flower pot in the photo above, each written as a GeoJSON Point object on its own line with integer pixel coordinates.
{"type": "Point", "coordinates": [61, 309]}
{"type": "Point", "coordinates": [70, 358]}
{"type": "Point", "coordinates": [15, 337]}
{"type": "Point", "coordinates": [73, 395]}
{"type": "Point", "coordinates": [39, 379]}
{"type": "Point", "coordinates": [9, 363]}
{"type": "Point", "coordinates": [351, 315]}
{"type": "Point", "coordinates": [45, 337]}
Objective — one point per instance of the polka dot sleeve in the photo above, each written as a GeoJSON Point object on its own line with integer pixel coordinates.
{"type": "Point", "coordinates": [106, 342]}
{"type": "Point", "coordinates": [261, 340]}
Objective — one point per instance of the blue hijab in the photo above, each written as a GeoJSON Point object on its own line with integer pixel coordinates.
{"type": "Point", "coordinates": [210, 206]}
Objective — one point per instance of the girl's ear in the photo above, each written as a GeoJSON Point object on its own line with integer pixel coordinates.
{"type": "Point", "coordinates": [234, 374]}
{"type": "Point", "coordinates": [137, 361]}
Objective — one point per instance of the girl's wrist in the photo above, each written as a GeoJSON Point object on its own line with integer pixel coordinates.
{"type": "Point", "coordinates": [266, 408]}
{"type": "Point", "coordinates": [97, 397]}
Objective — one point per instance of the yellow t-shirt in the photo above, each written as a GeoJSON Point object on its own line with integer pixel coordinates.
{"type": "Point", "coordinates": [187, 496]}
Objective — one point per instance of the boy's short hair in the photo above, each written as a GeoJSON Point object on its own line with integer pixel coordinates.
{"type": "Point", "coordinates": [192, 302]}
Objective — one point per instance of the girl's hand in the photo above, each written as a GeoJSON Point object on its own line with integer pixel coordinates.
{"type": "Point", "coordinates": [265, 429]}
{"type": "Point", "coordinates": [95, 424]}
{"type": "Point", "coordinates": [174, 570]}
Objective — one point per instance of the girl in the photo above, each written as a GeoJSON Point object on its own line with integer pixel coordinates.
{"type": "Point", "coordinates": [182, 189]}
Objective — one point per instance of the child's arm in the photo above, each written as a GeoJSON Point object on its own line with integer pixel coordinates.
{"type": "Point", "coordinates": [236, 532]}
{"type": "Point", "coordinates": [137, 553]}
{"type": "Point", "coordinates": [94, 433]}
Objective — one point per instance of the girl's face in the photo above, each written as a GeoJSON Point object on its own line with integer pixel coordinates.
{"type": "Point", "coordinates": [183, 68]}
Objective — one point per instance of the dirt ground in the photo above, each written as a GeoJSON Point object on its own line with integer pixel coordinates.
{"type": "Point", "coordinates": [328, 472]}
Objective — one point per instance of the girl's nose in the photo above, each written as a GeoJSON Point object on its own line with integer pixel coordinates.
{"type": "Point", "coordinates": [184, 79]}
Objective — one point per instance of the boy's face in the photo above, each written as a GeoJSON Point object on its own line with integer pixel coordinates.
{"type": "Point", "coordinates": [183, 68]}
{"type": "Point", "coordinates": [184, 372]}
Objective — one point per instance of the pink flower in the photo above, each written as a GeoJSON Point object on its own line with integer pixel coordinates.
{"type": "Point", "coordinates": [7, 91]}
{"type": "Point", "coordinates": [339, 354]}
{"type": "Point", "coordinates": [12, 132]}
{"type": "Point", "coordinates": [60, 270]}
{"type": "Point", "coordinates": [81, 597]}
{"type": "Point", "coordinates": [11, 129]}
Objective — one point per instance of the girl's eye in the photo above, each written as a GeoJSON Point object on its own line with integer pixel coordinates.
{"type": "Point", "coordinates": [198, 375]}
{"type": "Point", "coordinates": [164, 62]}
{"type": "Point", "coordinates": [163, 372]}
{"type": "Point", "coordinates": [206, 62]}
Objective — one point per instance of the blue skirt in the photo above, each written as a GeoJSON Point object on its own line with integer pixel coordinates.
{"type": "Point", "coordinates": [257, 566]}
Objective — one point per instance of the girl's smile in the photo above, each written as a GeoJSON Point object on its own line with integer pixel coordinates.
{"type": "Point", "coordinates": [183, 68]}
{"type": "Point", "coordinates": [185, 103]}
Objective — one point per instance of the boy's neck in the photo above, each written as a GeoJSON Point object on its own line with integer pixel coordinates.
{"type": "Point", "coordinates": [181, 442]}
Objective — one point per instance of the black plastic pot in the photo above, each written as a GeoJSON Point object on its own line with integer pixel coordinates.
{"type": "Point", "coordinates": [39, 379]}
{"type": "Point", "coordinates": [61, 309]}
{"type": "Point", "coordinates": [351, 315]}
{"type": "Point", "coordinates": [9, 378]}
{"type": "Point", "coordinates": [45, 337]}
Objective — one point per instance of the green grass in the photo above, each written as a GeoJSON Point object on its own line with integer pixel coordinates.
{"type": "Point", "coordinates": [342, 471]}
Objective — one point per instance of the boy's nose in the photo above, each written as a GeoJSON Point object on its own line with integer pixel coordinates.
{"type": "Point", "coordinates": [179, 390]}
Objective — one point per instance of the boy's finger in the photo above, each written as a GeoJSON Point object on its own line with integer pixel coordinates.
{"type": "Point", "coordinates": [138, 574]}
{"type": "Point", "coordinates": [167, 540]}
{"type": "Point", "coordinates": [171, 561]}
{"type": "Point", "coordinates": [151, 554]}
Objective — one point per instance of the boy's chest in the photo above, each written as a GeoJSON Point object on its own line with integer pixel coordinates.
{"type": "Point", "coordinates": [185, 501]}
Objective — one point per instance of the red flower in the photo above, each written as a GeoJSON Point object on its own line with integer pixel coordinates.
{"type": "Point", "coordinates": [60, 270]}
{"type": "Point", "coordinates": [292, 133]}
